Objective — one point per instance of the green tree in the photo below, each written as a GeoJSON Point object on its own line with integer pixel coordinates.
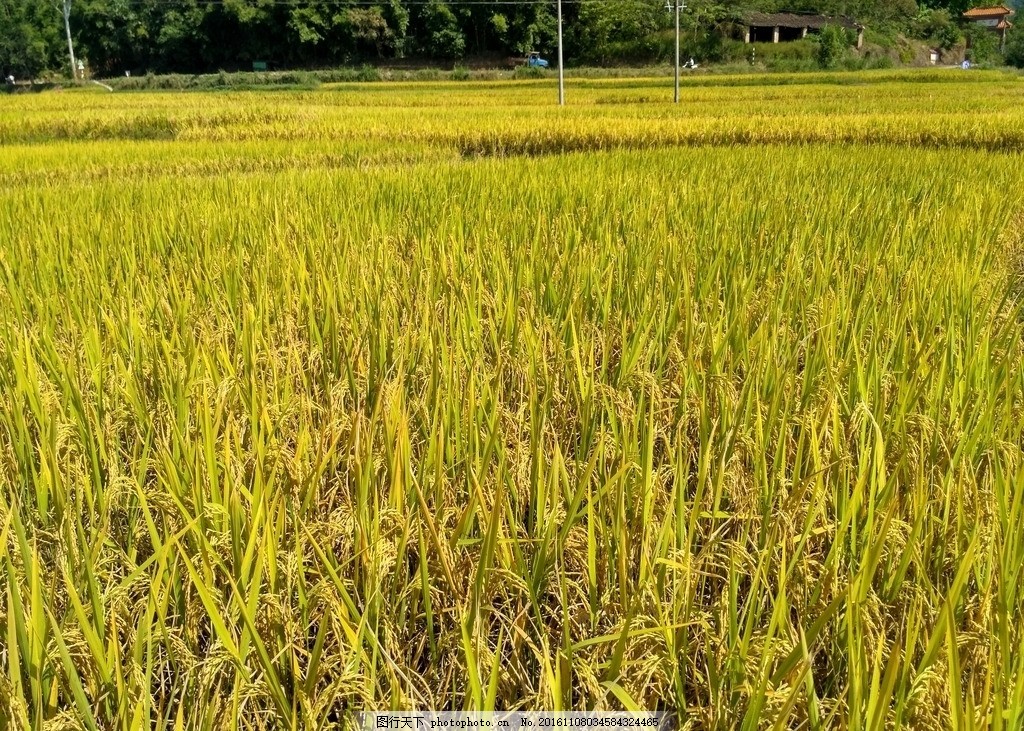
{"type": "Point", "coordinates": [30, 38]}
{"type": "Point", "coordinates": [442, 35]}
{"type": "Point", "coordinates": [203, 35]}
{"type": "Point", "coordinates": [956, 8]}
{"type": "Point", "coordinates": [110, 33]}
{"type": "Point", "coordinates": [603, 28]}
{"type": "Point", "coordinates": [368, 31]}
{"type": "Point", "coordinates": [534, 28]}
{"type": "Point", "coordinates": [177, 32]}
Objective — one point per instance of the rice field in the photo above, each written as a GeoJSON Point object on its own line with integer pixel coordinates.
{"type": "Point", "coordinates": [408, 396]}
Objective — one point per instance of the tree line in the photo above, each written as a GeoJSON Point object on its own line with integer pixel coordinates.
{"type": "Point", "coordinates": [193, 36]}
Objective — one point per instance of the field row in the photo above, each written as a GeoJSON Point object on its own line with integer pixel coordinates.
{"type": "Point", "coordinates": [973, 111]}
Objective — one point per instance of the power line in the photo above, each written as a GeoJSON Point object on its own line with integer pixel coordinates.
{"type": "Point", "coordinates": [256, 4]}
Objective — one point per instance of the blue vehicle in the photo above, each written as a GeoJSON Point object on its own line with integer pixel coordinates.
{"type": "Point", "coordinates": [533, 60]}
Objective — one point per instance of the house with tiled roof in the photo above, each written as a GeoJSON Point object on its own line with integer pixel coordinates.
{"type": "Point", "coordinates": [782, 27]}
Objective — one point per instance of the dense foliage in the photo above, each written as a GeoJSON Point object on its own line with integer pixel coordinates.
{"type": "Point", "coordinates": [115, 36]}
{"type": "Point", "coordinates": [30, 36]}
{"type": "Point", "coordinates": [1014, 52]}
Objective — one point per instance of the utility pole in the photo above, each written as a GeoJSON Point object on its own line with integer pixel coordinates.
{"type": "Point", "coordinates": [680, 5]}
{"type": "Point", "coordinates": [561, 74]}
{"type": "Point", "coordinates": [71, 47]}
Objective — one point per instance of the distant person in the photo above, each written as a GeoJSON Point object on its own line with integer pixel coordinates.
{"type": "Point", "coordinates": [966, 65]}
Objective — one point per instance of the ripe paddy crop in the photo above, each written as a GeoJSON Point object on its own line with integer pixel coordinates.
{"type": "Point", "coordinates": [376, 397]}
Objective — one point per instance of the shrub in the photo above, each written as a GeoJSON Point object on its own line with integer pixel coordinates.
{"type": "Point", "coordinates": [1013, 54]}
{"type": "Point", "coordinates": [939, 27]}
{"type": "Point", "coordinates": [369, 73]}
{"type": "Point", "coordinates": [982, 46]}
{"type": "Point", "coordinates": [528, 72]}
{"type": "Point", "coordinates": [795, 56]}
{"type": "Point", "coordinates": [832, 46]}
{"type": "Point", "coordinates": [297, 78]}
{"type": "Point", "coordinates": [879, 62]}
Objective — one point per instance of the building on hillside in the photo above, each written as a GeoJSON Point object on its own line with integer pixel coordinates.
{"type": "Point", "coordinates": [996, 19]}
{"type": "Point", "coordinates": [783, 27]}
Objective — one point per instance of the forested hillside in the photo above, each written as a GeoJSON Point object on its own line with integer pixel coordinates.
{"type": "Point", "coordinates": [114, 36]}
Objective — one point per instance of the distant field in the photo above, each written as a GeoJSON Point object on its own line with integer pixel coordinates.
{"type": "Point", "coordinates": [437, 395]}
